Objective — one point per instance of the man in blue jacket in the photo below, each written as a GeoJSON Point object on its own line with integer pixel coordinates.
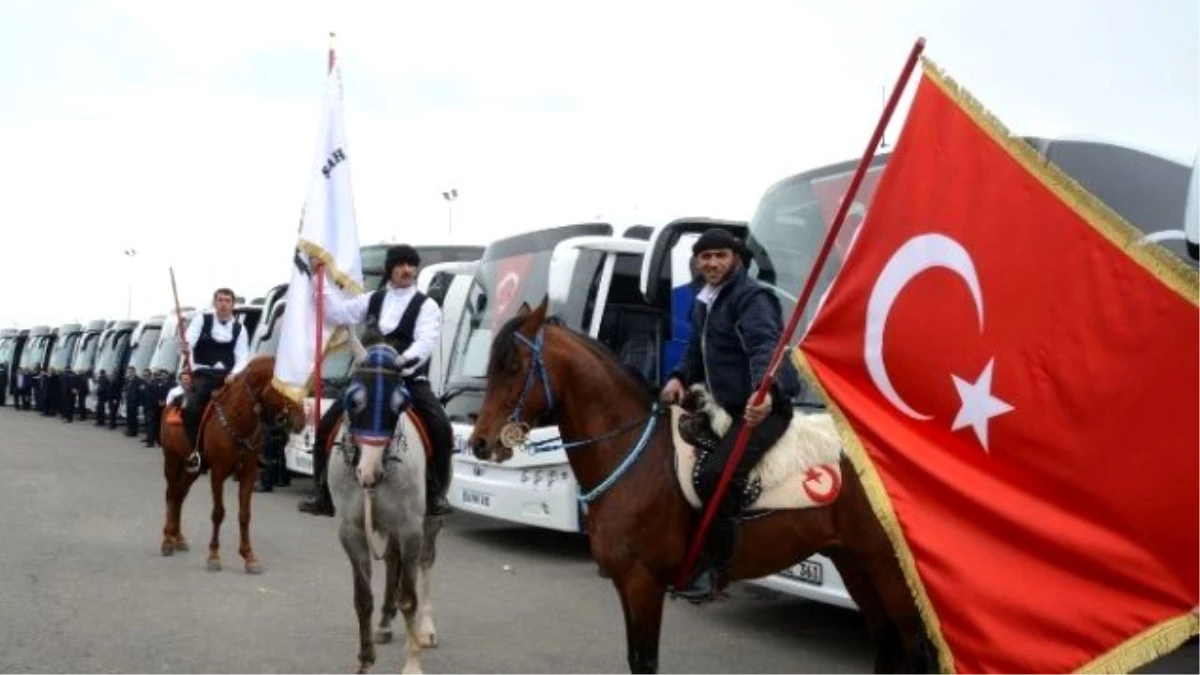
{"type": "Point", "coordinates": [736, 323]}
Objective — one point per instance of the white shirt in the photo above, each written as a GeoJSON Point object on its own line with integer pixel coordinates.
{"type": "Point", "coordinates": [709, 293]}
{"type": "Point", "coordinates": [221, 332]}
{"type": "Point", "coordinates": [349, 311]}
{"type": "Point", "coordinates": [175, 393]}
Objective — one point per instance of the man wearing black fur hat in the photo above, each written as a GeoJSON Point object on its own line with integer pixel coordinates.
{"type": "Point", "coordinates": [412, 324]}
{"type": "Point", "coordinates": [736, 323]}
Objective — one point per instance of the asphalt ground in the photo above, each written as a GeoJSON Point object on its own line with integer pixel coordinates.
{"type": "Point", "coordinates": [83, 587]}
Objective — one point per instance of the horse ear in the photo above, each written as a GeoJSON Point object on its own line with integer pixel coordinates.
{"type": "Point", "coordinates": [524, 309]}
{"type": "Point", "coordinates": [539, 314]}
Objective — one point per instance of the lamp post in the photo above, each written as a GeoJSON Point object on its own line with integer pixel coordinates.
{"type": "Point", "coordinates": [450, 195]}
{"type": "Point", "coordinates": [130, 253]}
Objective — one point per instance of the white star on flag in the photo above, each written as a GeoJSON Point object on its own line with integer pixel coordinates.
{"type": "Point", "coordinates": [978, 404]}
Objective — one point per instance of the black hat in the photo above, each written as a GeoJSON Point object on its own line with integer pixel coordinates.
{"type": "Point", "coordinates": [714, 238]}
{"type": "Point", "coordinates": [400, 254]}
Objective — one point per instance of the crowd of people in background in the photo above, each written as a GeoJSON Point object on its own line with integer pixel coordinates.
{"type": "Point", "coordinates": [145, 395]}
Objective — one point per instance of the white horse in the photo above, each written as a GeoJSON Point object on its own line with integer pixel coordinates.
{"type": "Point", "coordinates": [377, 481]}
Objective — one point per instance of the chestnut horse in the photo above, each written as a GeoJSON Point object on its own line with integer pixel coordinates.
{"type": "Point", "coordinates": [231, 435]}
{"type": "Point", "coordinates": [640, 524]}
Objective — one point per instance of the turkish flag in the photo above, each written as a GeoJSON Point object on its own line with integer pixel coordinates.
{"type": "Point", "coordinates": [1018, 382]}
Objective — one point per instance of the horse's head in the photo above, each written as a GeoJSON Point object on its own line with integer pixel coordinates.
{"type": "Point", "coordinates": [373, 403]}
{"type": "Point", "coordinates": [281, 412]}
{"type": "Point", "coordinates": [519, 386]}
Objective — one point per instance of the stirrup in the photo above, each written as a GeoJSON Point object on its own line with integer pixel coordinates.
{"type": "Point", "coordinates": [192, 464]}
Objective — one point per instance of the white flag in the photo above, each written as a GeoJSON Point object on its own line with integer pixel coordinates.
{"type": "Point", "coordinates": [328, 234]}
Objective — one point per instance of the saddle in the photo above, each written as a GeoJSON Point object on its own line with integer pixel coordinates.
{"type": "Point", "coordinates": [802, 470]}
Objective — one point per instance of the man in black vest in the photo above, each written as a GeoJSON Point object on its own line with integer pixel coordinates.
{"type": "Point", "coordinates": [412, 324]}
{"type": "Point", "coordinates": [217, 347]}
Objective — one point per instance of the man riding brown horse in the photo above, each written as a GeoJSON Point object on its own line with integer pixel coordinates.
{"type": "Point", "coordinates": [736, 323]}
{"type": "Point", "coordinates": [217, 347]}
{"type": "Point", "coordinates": [412, 324]}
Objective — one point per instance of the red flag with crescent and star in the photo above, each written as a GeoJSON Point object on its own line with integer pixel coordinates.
{"type": "Point", "coordinates": [1016, 379]}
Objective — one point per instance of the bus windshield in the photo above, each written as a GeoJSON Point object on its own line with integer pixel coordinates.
{"type": "Point", "coordinates": [35, 352]}
{"type": "Point", "coordinates": [64, 347]}
{"type": "Point", "coordinates": [86, 353]}
{"type": "Point", "coordinates": [110, 356]}
{"type": "Point", "coordinates": [147, 341]}
{"type": "Point", "coordinates": [510, 272]}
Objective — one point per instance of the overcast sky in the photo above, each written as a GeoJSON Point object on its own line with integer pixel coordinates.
{"type": "Point", "coordinates": [186, 131]}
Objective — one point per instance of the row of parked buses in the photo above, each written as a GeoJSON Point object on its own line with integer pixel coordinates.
{"type": "Point", "coordinates": [631, 288]}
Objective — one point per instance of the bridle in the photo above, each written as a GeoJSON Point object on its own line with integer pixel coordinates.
{"type": "Point", "coordinates": [516, 432]}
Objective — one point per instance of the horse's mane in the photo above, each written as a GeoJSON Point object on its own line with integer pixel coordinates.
{"type": "Point", "coordinates": [504, 344]}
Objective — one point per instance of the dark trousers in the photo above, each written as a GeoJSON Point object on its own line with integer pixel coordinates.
{"type": "Point", "coordinates": [3, 388]}
{"type": "Point", "coordinates": [722, 536]}
{"type": "Point", "coordinates": [204, 383]}
{"type": "Point", "coordinates": [441, 435]}
{"type": "Point", "coordinates": [101, 405]}
{"type": "Point", "coordinates": [114, 404]}
{"type": "Point", "coordinates": [131, 417]}
{"type": "Point", "coordinates": [153, 421]}
{"type": "Point", "coordinates": [82, 403]}
{"type": "Point", "coordinates": [67, 407]}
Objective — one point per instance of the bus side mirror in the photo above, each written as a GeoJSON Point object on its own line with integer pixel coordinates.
{"type": "Point", "coordinates": [1191, 220]}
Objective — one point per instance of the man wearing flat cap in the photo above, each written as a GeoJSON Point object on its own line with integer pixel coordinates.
{"type": "Point", "coordinates": [736, 323]}
{"type": "Point", "coordinates": [412, 324]}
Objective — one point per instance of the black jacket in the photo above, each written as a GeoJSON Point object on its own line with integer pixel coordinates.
{"type": "Point", "coordinates": [731, 345]}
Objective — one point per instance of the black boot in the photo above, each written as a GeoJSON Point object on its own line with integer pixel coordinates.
{"type": "Point", "coordinates": [711, 574]}
{"type": "Point", "coordinates": [320, 503]}
{"type": "Point", "coordinates": [435, 496]}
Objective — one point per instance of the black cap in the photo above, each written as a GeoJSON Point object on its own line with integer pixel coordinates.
{"type": "Point", "coordinates": [715, 238]}
{"type": "Point", "coordinates": [400, 254]}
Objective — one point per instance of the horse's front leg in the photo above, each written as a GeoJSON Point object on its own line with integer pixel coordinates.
{"type": "Point", "coordinates": [410, 566]}
{"type": "Point", "coordinates": [179, 483]}
{"type": "Point", "coordinates": [218, 515]}
{"type": "Point", "coordinates": [427, 632]}
{"type": "Point", "coordinates": [391, 592]}
{"type": "Point", "coordinates": [642, 602]}
{"type": "Point", "coordinates": [247, 477]}
{"type": "Point", "coordinates": [354, 541]}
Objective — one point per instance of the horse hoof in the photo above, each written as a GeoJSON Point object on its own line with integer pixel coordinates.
{"type": "Point", "coordinates": [364, 668]}
{"type": "Point", "coordinates": [413, 668]}
{"type": "Point", "coordinates": [181, 545]}
{"type": "Point", "coordinates": [427, 640]}
{"type": "Point", "coordinates": [383, 636]}
{"type": "Point", "coordinates": [167, 550]}
{"type": "Point", "coordinates": [214, 565]}
{"type": "Point", "coordinates": [254, 568]}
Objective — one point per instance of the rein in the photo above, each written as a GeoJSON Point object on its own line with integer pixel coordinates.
{"type": "Point", "coordinates": [515, 432]}
{"type": "Point", "coordinates": [245, 443]}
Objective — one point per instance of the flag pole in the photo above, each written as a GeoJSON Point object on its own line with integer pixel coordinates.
{"type": "Point", "coordinates": [319, 272]}
{"type": "Point", "coordinates": [739, 446]}
{"type": "Point", "coordinates": [179, 328]}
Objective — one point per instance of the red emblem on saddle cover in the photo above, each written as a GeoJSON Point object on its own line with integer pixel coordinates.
{"type": "Point", "coordinates": [820, 489]}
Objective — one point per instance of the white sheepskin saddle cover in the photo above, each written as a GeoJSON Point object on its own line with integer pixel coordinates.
{"type": "Point", "coordinates": [802, 470]}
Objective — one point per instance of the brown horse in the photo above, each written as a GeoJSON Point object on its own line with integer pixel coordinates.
{"type": "Point", "coordinates": [640, 524]}
{"type": "Point", "coordinates": [231, 435]}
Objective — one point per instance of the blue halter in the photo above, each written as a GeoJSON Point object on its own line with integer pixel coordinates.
{"type": "Point", "coordinates": [539, 365]}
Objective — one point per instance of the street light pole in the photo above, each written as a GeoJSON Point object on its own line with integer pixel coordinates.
{"type": "Point", "coordinates": [450, 195]}
{"type": "Point", "coordinates": [131, 254]}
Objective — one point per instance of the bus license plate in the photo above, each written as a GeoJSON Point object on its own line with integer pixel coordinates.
{"type": "Point", "coordinates": [808, 572]}
{"type": "Point", "coordinates": [478, 498]}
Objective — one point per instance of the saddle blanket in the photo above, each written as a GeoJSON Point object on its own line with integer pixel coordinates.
{"type": "Point", "coordinates": [802, 470]}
